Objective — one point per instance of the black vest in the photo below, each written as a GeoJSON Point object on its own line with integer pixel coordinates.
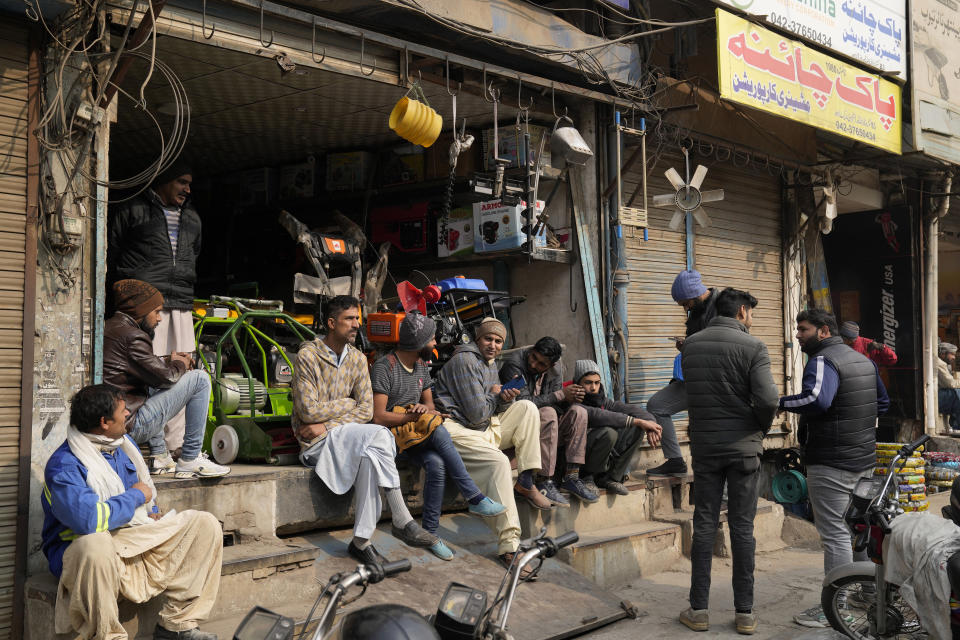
{"type": "Point", "coordinates": [845, 435]}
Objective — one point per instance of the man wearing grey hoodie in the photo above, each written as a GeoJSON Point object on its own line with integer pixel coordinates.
{"type": "Point", "coordinates": [484, 420]}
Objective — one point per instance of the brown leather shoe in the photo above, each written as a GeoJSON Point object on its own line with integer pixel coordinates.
{"type": "Point", "coordinates": [506, 559]}
{"type": "Point", "coordinates": [536, 499]}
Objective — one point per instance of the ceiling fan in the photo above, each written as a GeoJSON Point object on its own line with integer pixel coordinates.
{"type": "Point", "coordinates": [688, 196]}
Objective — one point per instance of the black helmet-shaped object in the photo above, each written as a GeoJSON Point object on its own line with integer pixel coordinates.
{"type": "Point", "coordinates": [386, 622]}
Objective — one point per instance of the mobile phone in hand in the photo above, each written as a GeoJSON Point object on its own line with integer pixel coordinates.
{"type": "Point", "coordinates": [516, 383]}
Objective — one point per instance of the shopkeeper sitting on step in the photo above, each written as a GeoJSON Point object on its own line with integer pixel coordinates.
{"type": "Point", "coordinates": [155, 389]}
{"type": "Point", "coordinates": [403, 402]}
{"type": "Point", "coordinates": [105, 539]}
{"type": "Point", "coordinates": [332, 408]}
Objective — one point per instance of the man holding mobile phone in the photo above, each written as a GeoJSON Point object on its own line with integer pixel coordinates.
{"type": "Point", "coordinates": [563, 420]}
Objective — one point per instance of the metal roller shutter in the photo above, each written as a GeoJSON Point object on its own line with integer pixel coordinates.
{"type": "Point", "coordinates": [13, 208]}
{"type": "Point", "coordinates": [740, 248]}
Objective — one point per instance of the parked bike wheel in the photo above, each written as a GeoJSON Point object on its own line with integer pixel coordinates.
{"type": "Point", "coordinates": [849, 604]}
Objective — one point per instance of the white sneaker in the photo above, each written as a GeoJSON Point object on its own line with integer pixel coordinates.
{"type": "Point", "coordinates": [202, 467]}
{"type": "Point", "coordinates": [162, 464]}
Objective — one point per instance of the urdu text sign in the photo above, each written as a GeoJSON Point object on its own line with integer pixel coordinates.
{"type": "Point", "coordinates": [761, 69]}
{"type": "Point", "coordinates": [872, 31]}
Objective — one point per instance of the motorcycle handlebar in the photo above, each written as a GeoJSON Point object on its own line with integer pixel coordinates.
{"type": "Point", "coordinates": [907, 449]}
{"type": "Point", "coordinates": [393, 568]}
{"type": "Point", "coordinates": [566, 539]}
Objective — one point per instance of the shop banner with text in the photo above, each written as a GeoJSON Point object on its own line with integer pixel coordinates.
{"type": "Point", "coordinates": [762, 69]}
{"type": "Point", "coordinates": [872, 31]}
{"type": "Point", "coordinates": [935, 40]}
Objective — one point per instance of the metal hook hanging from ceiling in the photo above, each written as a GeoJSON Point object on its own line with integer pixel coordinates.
{"type": "Point", "coordinates": [519, 95]}
{"type": "Point", "coordinates": [313, 45]}
{"type": "Point", "coordinates": [452, 94]}
{"type": "Point", "coordinates": [265, 44]}
{"type": "Point", "coordinates": [363, 40]}
{"type": "Point", "coordinates": [553, 104]}
{"type": "Point", "coordinates": [203, 23]}
{"type": "Point", "coordinates": [490, 99]}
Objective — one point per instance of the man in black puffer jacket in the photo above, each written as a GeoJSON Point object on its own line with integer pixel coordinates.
{"type": "Point", "coordinates": [155, 238]}
{"type": "Point", "coordinates": [732, 401]}
{"type": "Point", "coordinates": [841, 396]}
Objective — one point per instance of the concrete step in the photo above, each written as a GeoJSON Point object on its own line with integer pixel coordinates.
{"type": "Point", "coordinates": [611, 510]}
{"type": "Point", "coordinates": [619, 554]}
{"type": "Point", "coordinates": [767, 528]}
{"type": "Point", "coordinates": [666, 494]}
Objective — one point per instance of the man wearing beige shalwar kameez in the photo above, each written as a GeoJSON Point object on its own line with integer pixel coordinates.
{"type": "Point", "coordinates": [105, 539]}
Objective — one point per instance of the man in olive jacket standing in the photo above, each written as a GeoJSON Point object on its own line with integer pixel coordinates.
{"type": "Point", "coordinates": [155, 238]}
{"type": "Point", "coordinates": [732, 401]}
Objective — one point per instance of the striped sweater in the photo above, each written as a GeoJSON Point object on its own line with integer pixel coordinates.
{"type": "Point", "coordinates": [324, 392]}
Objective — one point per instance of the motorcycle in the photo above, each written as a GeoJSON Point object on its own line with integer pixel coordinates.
{"type": "Point", "coordinates": [463, 613]}
{"type": "Point", "coordinates": [857, 599]}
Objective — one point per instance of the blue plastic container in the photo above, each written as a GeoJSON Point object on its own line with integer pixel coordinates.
{"type": "Point", "coordinates": [474, 284]}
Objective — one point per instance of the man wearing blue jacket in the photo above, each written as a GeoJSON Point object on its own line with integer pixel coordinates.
{"type": "Point", "coordinates": [104, 537]}
{"type": "Point", "coordinates": [841, 396]}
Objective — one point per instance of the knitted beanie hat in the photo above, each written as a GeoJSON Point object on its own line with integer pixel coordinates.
{"type": "Point", "coordinates": [687, 286]}
{"type": "Point", "coordinates": [583, 368]}
{"type": "Point", "coordinates": [850, 330]}
{"type": "Point", "coordinates": [416, 330]}
{"type": "Point", "coordinates": [171, 173]}
{"type": "Point", "coordinates": [136, 298]}
{"type": "Point", "coordinates": [490, 325]}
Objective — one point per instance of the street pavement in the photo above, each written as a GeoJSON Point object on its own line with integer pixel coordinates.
{"type": "Point", "coordinates": [787, 582]}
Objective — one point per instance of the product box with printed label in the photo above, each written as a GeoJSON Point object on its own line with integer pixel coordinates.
{"type": "Point", "coordinates": [499, 227]}
{"type": "Point", "coordinates": [348, 171]}
{"type": "Point", "coordinates": [507, 142]}
{"type": "Point", "coordinates": [455, 233]}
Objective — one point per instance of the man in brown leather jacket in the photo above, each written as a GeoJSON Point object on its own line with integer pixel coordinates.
{"type": "Point", "coordinates": [154, 388]}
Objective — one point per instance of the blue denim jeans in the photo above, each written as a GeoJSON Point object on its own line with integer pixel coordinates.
{"type": "Point", "coordinates": [949, 400]}
{"type": "Point", "coordinates": [439, 457]}
{"type": "Point", "coordinates": [192, 391]}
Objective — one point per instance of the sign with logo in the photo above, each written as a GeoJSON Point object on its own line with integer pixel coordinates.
{"type": "Point", "coordinates": [762, 69]}
{"type": "Point", "coordinates": [873, 261]}
{"type": "Point", "coordinates": [935, 44]}
{"type": "Point", "coordinates": [872, 31]}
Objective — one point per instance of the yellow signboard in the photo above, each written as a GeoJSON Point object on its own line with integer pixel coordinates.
{"type": "Point", "coordinates": [762, 69]}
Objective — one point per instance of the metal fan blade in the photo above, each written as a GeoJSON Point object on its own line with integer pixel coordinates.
{"type": "Point", "coordinates": [676, 220]}
{"type": "Point", "coordinates": [664, 200]}
{"type": "Point", "coordinates": [713, 195]}
{"type": "Point", "coordinates": [701, 217]}
{"type": "Point", "coordinates": [674, 178]}
{"type": "Point", "coordinates": [698, 176]}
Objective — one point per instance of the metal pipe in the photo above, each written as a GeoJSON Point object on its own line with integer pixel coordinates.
{"type": "Point", "coordinates": [930, 289]}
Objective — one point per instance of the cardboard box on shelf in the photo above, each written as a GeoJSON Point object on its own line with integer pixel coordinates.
{"type": "Point", "coordinates": [348, 170]}
{"type": "Point", "coordinates": [299, 180]}
{"type": "Point", "coordinates": [498, 227]}
{"type": "Point", "coordinates": [401, 165]}
{"type": "Point", "coordinates": [507, 139]}
{"type": "Point", "coordinates": [405, 227]}
{"type": "Point", "coordinates": [455, 233]}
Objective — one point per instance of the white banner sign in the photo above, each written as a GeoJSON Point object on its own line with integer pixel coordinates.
{"type": "Point", "coordinates": [935, 36]}
{"type": "Point", "coordinates": [873, 31]}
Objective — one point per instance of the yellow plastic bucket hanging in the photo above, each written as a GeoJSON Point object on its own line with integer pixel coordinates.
{"type": "Point", "coordinates": [414, 120]}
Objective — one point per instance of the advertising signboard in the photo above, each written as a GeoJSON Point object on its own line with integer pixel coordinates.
{"type": "Point", "coordinates": [872, 31]}
{"type": "Point", "coordinates": [762, 69]}
{"type": "Point", "coordinates": [935, 43]}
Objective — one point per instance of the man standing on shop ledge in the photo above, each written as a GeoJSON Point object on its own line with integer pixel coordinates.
{"type": "Point", "coordinates": [700, 304]}
{"type": "Point", "coordinates": [155, 237]}
{"type": "Point", "coordinates": [841, 396]}
{"type": "Point", "coordinates": [732, 402]}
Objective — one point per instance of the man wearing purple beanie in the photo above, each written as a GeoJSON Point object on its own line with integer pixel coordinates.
{"type": "Point", "coordinates": [700, 303]}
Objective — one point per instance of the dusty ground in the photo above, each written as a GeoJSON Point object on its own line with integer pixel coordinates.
{"type": "Point", "coordinates": [787, 582]}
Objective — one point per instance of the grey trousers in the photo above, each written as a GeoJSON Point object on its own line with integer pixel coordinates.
{"type": "Point", "coordinates": [829, 489]}
{"type": "Point", "coordinates": [664, 404]}
{"type": "Point", "coordinates": [569, 430]}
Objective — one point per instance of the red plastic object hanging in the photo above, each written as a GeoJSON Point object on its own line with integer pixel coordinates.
{"type": "Point", "coordinates": [431, 293]}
